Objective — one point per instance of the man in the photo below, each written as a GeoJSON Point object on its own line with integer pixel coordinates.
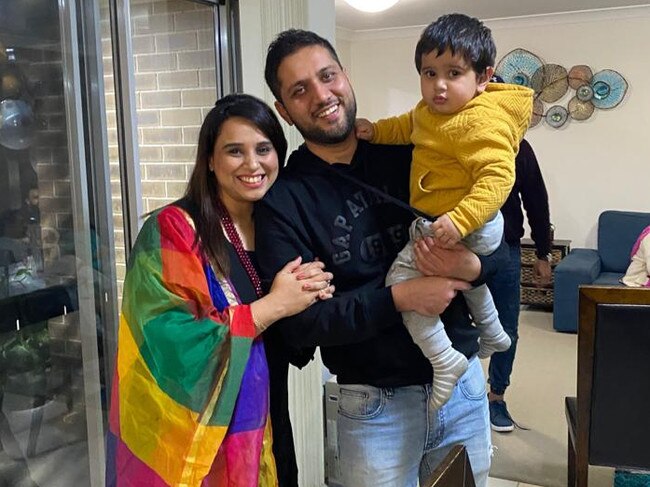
{"type": "Point", "coordinates": [388, 435]}
{"type": "Point", "coordinates": [529, 188]}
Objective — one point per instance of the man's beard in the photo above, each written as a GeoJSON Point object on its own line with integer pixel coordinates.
{"type": "Point", "coordinates": [333, 135]}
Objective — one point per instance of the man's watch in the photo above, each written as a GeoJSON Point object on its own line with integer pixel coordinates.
{"type": "Point", "coordinates": [546, 257]}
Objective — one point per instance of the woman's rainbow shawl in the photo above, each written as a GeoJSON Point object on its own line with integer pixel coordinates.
{"type": "Point", "coordinates": [190, 398]}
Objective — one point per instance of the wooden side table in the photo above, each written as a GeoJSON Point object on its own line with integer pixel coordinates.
{"type": "Point", "coordinates": [531, 293]}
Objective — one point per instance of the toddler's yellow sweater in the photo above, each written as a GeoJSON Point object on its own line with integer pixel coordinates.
{"type": "Point", "coordinates": [463, 163]}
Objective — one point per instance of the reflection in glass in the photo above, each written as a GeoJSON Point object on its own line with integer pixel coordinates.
{"type": "Point", "coordinates": [45, 385]}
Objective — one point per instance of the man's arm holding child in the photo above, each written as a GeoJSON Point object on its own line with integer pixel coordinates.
{"type": "Point", "coordinates": [431, 259]}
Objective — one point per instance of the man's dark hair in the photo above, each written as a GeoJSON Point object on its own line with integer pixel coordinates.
{"type": "Point", "coordinates": [285, 44]}
{"type": "Point", "coordinates": [459, 34]}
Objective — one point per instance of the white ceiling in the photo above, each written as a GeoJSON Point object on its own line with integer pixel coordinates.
{"type": "Point", "coordinates": [407, 13]}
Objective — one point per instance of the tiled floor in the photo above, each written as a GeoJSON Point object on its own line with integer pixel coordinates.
{"type": "Point", "coordinates": [492, 482]}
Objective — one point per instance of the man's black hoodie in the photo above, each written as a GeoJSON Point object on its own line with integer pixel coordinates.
{"type": "Point", "coordinates": [312, 212]}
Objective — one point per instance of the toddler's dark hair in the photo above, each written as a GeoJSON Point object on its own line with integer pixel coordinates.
{"type": "Point", "coordinates": [462, 35]}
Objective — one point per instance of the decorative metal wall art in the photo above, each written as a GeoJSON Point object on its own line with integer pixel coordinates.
{"type": "Point", "coordinates": [551, 82]}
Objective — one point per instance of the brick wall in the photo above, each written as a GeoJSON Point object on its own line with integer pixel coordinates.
{"type": "Point", "coordinates": [173, 60]}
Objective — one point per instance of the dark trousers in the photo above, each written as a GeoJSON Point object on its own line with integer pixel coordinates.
{"type": "Point", "coordinates": [504, 286]}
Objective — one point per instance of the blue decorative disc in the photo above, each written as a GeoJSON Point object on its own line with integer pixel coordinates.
{"type": "Point", "coordinates": [585, 93]}
{"type": "Point", "coordinates": [521, 79]}
{"type": "Point", "coordinates": [556, 116]}
{"type": "Point", "coordinates": [518, 66]}
{"type": "Point", "coordinates": [601, 90]}
{"type": "Point", "coordinates": [609, 89]}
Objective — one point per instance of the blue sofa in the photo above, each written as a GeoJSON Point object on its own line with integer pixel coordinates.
{"type": "Point", "coordinates": [617, 232]}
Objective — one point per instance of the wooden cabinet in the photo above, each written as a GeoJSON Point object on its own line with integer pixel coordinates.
{"type": "Point", "coordinates": [531, 293]}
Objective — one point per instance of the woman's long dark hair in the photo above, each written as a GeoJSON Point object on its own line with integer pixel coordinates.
{"type": "Point", "coordinates": [203, 189]}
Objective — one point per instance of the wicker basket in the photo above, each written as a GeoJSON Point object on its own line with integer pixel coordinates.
{"type": "Point", "coordinates": [540, 296]}
{"type": "Point", "coordinates": [528, 276]}
{"type": "Point", "coordinates": [528, 256]}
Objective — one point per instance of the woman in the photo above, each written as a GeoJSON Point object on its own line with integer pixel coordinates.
{"type": "Point", "coordinates": [190, 399]}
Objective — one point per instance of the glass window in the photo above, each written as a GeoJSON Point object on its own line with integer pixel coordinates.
{"type": "Point", "coordinates": [63, 206]}
{"type": "Point", "coordinates": [50, 363]}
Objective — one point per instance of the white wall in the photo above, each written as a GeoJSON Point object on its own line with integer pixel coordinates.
{"type": "Point", "coordinates": [343, 48]}
{"type": "Point", "coordinates": [253, 48]}
{"type": "Point", "coordinates": [601, 163]}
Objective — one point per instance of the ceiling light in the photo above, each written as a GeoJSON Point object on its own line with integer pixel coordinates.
{"type": "Point", "coordinates": [371, 5]}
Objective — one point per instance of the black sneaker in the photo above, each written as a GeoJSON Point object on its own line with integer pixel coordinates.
{"type": "Point", "coordinates": [500, 419]}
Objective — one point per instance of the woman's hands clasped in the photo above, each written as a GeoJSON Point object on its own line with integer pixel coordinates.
{"type": "Point", "coordinates": [301, 285]}
{"type": "Point", "coordinates": [295, 287]}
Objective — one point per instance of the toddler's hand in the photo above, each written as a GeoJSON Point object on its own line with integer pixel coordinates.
{"type": "Point", "coordinates": [364, 129]}
{"type": "Point", "coordinates": [445, 232]}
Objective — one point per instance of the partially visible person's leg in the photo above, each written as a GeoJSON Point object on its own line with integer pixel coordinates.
{"type": "Point", "coordinates": [492, 337]}
{"type": "Point", "coordinates": [505, 288]}
{"type": "Point", "coordinates": [463, 420]}
{"type": "Point", "coordinates": [484, 241]}
{"type": "Point", "coordinates": [381, 435]}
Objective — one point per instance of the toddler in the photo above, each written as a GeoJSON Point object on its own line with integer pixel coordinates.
{"type": "Point", "coordinates": [466, 133]}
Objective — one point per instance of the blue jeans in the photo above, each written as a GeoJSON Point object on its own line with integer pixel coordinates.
{"type": "Point", "coordinates": [504, 286]}
{"type": "Point", "coordinates": [389, 437]}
